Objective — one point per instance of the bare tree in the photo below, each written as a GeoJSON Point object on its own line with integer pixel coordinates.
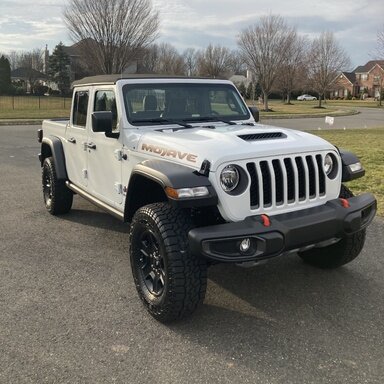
{"type": "Point", "coordinates": [32, 64]}
{"type": "Point", "coordinates": [380, 44]}
{"type": "Point", "coordinates": [294, 66]}
{"type": "Point", "coordinates": [380, 55]}
{"type": "Point", "coordinates": [14, 59]}
{"type": "Point", "coordinates": [263, 46]}
{"type": "Point", "coordinates": [149, 59]}
{"type": "Point", "coordinates": [215, 61]}
{"type": "Point", "coordinates": [112, 32]}
{"type": "Point", "coordinates": [238, 65]}
{"type": "Point", "coordinates": [326, 59]}
{"type": "Point", "coordinates": [190, 56]}
{"type": "Point", "coordinates": [32, 60]}
{"type": "Point", "coordinates": [163, 59]}
{"type": "Point", "coordinates": [170, 62]}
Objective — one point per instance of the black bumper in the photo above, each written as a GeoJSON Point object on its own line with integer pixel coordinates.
{"type": "Point", "coordinates": [285, 232]}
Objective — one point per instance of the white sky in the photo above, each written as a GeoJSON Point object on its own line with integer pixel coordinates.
{"type": "Point", "coordinates": [29, 24]}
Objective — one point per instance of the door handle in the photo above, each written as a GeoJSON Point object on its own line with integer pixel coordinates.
{"type": "Point", "coordinates": [72, 140]}
{"type": "Point", "coordinates": [91, 145]}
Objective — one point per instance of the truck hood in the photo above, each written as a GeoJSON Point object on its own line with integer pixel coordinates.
{"type": "Point", "coordinates": [226, 143]}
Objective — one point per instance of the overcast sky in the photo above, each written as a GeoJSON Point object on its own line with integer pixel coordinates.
{"type": "Point", "coordinates": [28, 24]}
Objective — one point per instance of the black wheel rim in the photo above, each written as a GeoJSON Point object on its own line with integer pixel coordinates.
{"type": "Point", "coordinates": [47, 188]}
{"type": "Point", "coordinates": [150, 262]}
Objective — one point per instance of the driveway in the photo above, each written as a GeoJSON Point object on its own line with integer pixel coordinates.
{"type": "Point", "coordinates": [69, 312]}
{"type": "Point", "coordinates": [367, 118]}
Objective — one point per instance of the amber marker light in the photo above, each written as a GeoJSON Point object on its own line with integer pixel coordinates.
{"type": "Point", "coordinates": [183, 193]}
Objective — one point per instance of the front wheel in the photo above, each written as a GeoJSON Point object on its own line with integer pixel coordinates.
{"type": "Point", "coordinates": [170, 281]}
{"type": "Point", "coordinates": [336, 255]}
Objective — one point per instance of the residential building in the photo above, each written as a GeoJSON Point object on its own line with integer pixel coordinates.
{"type": "Point", "coordinates": [365, 81]}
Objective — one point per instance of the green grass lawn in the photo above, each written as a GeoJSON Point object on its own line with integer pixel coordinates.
{"type": "Point", "coordinates": [34, 107]}
{"type": "Point", "coordinates": [368, 145]}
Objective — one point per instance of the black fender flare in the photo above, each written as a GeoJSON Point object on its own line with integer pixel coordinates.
{"type": "Point", "coordinates": [348, 158]}
{"type": "Point", "coordinates": [176, 176]}
{"type": "Point", "coordinates": [57, 152]}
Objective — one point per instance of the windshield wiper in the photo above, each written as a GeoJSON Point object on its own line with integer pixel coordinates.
{"type": "Point", "coordinates": [163, 121]}
{"type": "Point", "coordinates": [210, 119]}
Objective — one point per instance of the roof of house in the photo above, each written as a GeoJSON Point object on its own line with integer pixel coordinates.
{"type": "Point", "coordinates": [351, 76]}
{"type": "Point", "coordinates": [27, 73]}
{"type": "Point", "coordinates": [368, 66]}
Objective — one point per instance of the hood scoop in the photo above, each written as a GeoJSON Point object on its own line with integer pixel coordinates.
{"type": "Point", "coordinates": [263, 136]}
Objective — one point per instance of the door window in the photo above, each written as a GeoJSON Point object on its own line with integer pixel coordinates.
{"type": "Point", "coordinates": [80, 107]}
{"type": "Point", "coordinates": [106, 101]}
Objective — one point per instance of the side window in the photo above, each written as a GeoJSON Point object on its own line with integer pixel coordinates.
{"type": "Point", "coordinates": [106, 101]}
{"type": "Point", "coordinates": [80, 107]}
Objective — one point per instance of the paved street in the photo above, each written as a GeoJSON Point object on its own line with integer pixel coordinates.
{"type": "Point", "coordinates": [367, 118]}
{"type": "Point", "coordinates": [69, 312]}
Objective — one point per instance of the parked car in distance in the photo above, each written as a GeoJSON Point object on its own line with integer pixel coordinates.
{"type": "Point", "coordinates": [306, 98]}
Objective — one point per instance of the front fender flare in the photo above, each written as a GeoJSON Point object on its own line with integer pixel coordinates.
{"type": "Point", "coordinates": [348, 158]}
{"type": "Point", "coordinates": [176, 176]}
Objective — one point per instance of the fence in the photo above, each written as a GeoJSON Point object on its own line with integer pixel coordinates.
{"type": "Point", "coordinates": [34, 102]}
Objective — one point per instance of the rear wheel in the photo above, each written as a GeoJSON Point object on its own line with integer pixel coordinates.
{"type": "Point", "coordinates": [170, 281]}
{"type": "Point", "coordinates": [57, 197]}
{"type": "Point", "coordinates": [336, 255]}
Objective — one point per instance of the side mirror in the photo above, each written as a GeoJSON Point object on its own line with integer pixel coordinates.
{"type": "Point", "coordinates": [255, 113]}
{"type": "Point", "coordinates": [102, 121]}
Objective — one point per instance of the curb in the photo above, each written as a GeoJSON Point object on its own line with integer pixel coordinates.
{"type": "Point", "coordinates": [21, 122]}
{"type": "Point", "coordinates": [338, 113]}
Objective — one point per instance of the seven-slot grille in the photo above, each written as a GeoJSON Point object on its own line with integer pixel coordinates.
{"type": "Point", "coordinates": [286, 180]}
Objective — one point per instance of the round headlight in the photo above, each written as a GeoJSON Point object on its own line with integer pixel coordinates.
{"type": "Point", "coordinates": [328, 164]}
{"type": "Point", "coordinates": [229, 178]}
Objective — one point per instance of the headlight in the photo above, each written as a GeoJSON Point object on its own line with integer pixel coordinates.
{"type": "Point", "coordinates": [229, 178]}
{"type": "Point", "coordinates": [328, 164]}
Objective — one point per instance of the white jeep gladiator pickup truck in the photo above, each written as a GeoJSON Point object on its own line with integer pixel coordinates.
{"type": "Point", "coordinates": [186, 163]}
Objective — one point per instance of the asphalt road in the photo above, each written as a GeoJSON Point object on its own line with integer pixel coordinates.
{"type": "Point", "coordinates": [69, 312]}
{"type": "Point", "coordinates": [367, 118]}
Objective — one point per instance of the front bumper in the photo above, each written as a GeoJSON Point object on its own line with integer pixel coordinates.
{"type": "Point", "coordinates": [286, 232]}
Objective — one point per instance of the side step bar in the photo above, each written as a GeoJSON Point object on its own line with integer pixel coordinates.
{"type": "Point", "coordinates": [113, 211]}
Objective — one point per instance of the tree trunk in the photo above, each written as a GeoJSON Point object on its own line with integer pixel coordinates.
{"type": "Point", "coordinates": [320, 99]}
{"type": "Point", "coordinates": [265, 95]}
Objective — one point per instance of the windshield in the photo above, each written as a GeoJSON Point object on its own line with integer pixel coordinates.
{"type": "Point", "coordinates": [156, 104]}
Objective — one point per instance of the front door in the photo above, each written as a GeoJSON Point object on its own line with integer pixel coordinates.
{"type": "Point", "coordinates": [76, 139]}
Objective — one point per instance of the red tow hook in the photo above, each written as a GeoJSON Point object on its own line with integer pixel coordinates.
{"type": "Point", "coordinates": [266, 220]}
{"type": "Point", "coordinates": [345, 203]}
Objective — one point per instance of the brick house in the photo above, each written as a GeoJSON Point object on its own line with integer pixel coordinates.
{"type": "Point", "coordinates": [365, 81]}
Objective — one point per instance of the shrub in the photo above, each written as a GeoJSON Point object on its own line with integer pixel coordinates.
{"type": "Point", "coordinates": [40, 90]}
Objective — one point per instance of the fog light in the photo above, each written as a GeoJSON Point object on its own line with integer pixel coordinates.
{"type": "Point", "coordinates": [245, 245]}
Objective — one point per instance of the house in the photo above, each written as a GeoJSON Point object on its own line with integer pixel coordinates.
{"type": "Point", "coordinates": [365, 81]}
{"type": "Point", "coordinates": [28, 78]}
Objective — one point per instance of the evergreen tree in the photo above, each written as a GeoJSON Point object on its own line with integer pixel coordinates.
{"type": "Point", "coordinates": [5, 76]}
{"type": "Point", "coordinates": [59, 68]}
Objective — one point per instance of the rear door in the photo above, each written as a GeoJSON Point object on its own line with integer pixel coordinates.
{"type": "Point", "coordinates": [104, 153]}
{"type": "Point", "coordinates": [76, 139]}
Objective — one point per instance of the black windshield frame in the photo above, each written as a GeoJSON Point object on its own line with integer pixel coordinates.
{"type": "Point", "coordinates": [200, 97]}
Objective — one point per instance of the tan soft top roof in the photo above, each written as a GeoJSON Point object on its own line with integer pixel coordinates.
{"type": "Point", "coordinates": [112, 79]}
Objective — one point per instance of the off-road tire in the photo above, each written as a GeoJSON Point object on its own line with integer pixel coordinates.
{"type": "Point", "coordinates": [159, 237]}
{"type": "Point", "coordinates": [57, 197]}
{"type": "Point", "coordinates": [340, 253]}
